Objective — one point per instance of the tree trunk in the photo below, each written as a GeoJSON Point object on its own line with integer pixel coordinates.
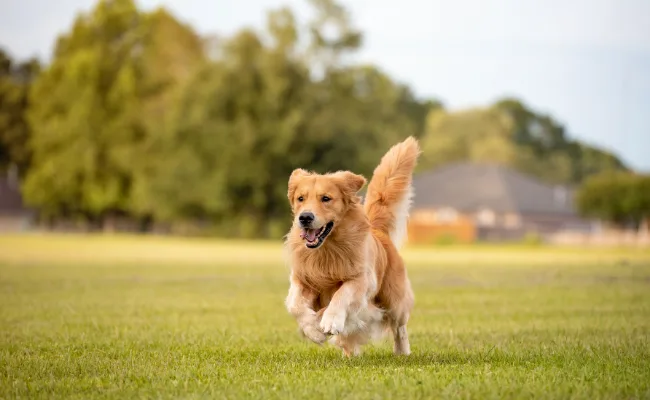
{"type": "Point", "coordinates": [109, 222]}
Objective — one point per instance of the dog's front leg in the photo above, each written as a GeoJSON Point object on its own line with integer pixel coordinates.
{"type": "Point", "coordinates": [348, 298]}
{"type": "Point", "coordinates": [299, 303]}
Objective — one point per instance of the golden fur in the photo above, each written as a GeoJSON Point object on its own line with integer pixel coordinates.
{"type": "Point", "coordinates": [355, 284]}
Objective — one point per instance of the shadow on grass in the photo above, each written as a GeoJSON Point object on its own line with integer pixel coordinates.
{"type": "Point", "coordinates": [383, 357]}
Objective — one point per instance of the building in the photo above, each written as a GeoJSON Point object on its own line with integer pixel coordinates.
{"type": "Point", "coordinates": [467, 202]}
{"type": "Point", "coordinates": [14, 216]}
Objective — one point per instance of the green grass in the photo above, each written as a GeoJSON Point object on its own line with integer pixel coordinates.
{"type": "Point", "coordinates": [123, 317]}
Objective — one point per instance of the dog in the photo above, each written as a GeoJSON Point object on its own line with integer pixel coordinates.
{"type": "Point", "coordinates": [348, 281]}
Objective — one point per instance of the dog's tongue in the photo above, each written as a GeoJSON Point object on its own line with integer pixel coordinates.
{"type": "Point", "coordinates": [309, 234]}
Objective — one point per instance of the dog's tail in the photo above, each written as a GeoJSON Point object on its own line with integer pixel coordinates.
{"type": "Point", "coordinates": [389, 194]}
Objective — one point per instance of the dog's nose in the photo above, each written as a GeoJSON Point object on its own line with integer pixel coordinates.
{"type": "Point", "coordinates": [306, 218]}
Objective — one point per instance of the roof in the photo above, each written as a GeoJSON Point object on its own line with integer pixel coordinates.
{"type": "Point", "coordinates": [472, 187]}
{"type": "Point", "coordinates": [10, 197]}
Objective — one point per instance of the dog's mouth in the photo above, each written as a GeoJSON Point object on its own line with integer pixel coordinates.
{"type": "Point", "coordinates": [316, 237]}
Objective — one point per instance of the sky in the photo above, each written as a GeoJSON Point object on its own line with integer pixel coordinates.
{"type": "Point", "coordinates": [585, 62]}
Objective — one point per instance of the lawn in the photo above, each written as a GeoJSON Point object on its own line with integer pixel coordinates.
{"type": "Point", "coordinates": [124, 317]}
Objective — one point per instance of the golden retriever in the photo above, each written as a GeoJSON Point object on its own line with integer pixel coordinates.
{"type": "Point", "coordinates": [347, 278]}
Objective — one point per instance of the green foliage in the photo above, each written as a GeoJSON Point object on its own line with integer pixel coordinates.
{"type": "Point", "coordinates": [15, 82]}
{"type": "Point", "coordinates": [229, 134]}
{"type": "Point", "coordinates": [246, 119]}
{"type": "Point", "coordinates": [477, 135]}
{"type": "Point", "coordinates": [86, 118]}
{"type": "Point", "coordinates": [331, 35]}
{"type": "Point", "coordinates": [619, 198]}
{"type": "Point", "coordinates": [172, 53]}
{"type": "Point", "coordinates": [509, 133]}
{"type": "Point", "coordinates": [97, 107]}
{"type": "Point", "coordinates": [547, 152]}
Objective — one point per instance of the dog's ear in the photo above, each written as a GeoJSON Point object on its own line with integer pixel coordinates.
{"type": "Point", "coordinates": [293, 181]}
{"type": "Point", "coordinates": [351, 183]}
{"type": "Point", "coordinates": [354, 182]}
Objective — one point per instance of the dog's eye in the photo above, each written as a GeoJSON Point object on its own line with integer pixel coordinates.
{"type": "Point", "coordinates": [301, 198]}
{"type": "Point", "coordinates": [325, 199]}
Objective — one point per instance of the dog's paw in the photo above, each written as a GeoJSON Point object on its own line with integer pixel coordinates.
{"type": "Point", "coordinates": [311, 332]}
{"type": "Point", "coordinates": [332, 322]}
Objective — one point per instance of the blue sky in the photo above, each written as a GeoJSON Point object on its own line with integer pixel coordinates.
{"type": "Point", "coordinates": [586, 62]}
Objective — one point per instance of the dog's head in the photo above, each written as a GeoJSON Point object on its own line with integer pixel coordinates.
{"type": "Point", "coordinates": [319, 202]}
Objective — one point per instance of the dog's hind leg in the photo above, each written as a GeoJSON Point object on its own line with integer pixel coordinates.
{"type": "Point", "coordinates": [398, 320]}
{"type": "Point", "coordinates": [402, 345]}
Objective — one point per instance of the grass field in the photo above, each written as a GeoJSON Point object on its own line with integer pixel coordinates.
{"type": "Point", "coordinates": [118, 317]}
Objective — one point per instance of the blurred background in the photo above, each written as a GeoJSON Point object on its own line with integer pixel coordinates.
{"type": "Point", "coordinates": [187, 117]}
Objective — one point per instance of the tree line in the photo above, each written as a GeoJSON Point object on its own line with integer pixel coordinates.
{"type": "Point", "coordinates": [137, 116]}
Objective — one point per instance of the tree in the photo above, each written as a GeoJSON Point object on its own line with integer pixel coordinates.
{"type": "Point", "coordinates": [232, 133]}
{"type": "Point", "coordinates": [471, 135]}
{"type": "Point", "coordinates": [85, 115]}
{"type": "Point", "coordinates": [172, 53]}
{"type": "Point", "coordinates": [332, 35]}
{"type": "Point", "coordinates": [538, 131]}
{"type": "Point", "coordinates": [257, 111]}
{"type": "Point", "coordinates": [558, 158]}
{"type": "Point", "coordinates": [620, 198]}
{"type": "Point", "coordinates": [15, 82]}
{"type": "Point", "coordinates": [94, 105]}
{"type": "Point", "coordinates": [511, 134]}
{"type": "Point", "coordinates": [356, 114]}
